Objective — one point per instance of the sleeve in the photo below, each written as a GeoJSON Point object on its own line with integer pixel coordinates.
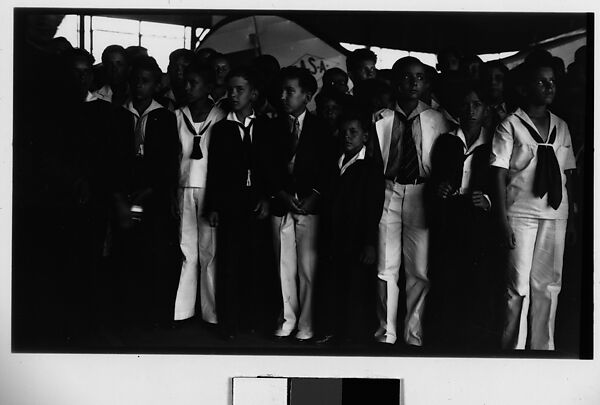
{"type": "Point", "coordinates": [215, 148]}
{"type": "Point", "coordinates": [502, 145]}
{"type": "Point", "coordinates": [569, 163]}
{"type": "Point", "coordinates": [165, 166]}
{"type": "Point", "coordinates": [375, 196]}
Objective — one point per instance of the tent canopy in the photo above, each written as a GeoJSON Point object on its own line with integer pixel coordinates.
{"type": "Point", "coordinates": [412, 31]}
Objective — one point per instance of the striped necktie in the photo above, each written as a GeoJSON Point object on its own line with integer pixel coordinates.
{"type": "Point", "coordinates": [408, 170]}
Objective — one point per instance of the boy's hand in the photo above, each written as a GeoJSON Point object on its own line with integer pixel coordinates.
{"type": "Point", "coordinates": [213, 219]}
{"type": "Point", "coordinates": [444, 190]}
{"type": "Point", "coordinates": [262, 209]}
{"type": "Point", "coordinates": [508, 236]}
{"type": "Point", "coordinates": [480, 201]}
{"type": "Point", "coordinates": [290, 202]}
{"type": "Point", "coordinates": [368, 255]}
{"type": "Point", "coordinates": [309, 204]}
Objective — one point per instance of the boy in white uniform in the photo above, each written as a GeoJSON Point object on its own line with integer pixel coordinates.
{"type": "Point", "coordinates": [198, 240]}
{"type": "Point", "coordinates": [532, 157]}
{"type": "Point", "coordinates": [405, 138]}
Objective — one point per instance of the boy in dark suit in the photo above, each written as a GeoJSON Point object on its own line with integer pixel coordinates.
{"type": "Point", "coordinates": [237, 203]}
{"type": "Point", "coordinates": [299, 179]}
{"type": "Point", "coordinates": [147, 209]}
{"type": "Point", "coordinates": [460, 221]}
{"type": "Point", "coordinates": [358, 191]}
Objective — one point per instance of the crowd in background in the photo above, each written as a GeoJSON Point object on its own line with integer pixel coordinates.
{"type": "Point", "coordinates": [414, 203]}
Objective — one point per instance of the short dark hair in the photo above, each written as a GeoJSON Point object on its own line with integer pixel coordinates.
{"type": "Point", "coordinates": [494, 64]}
{"type": "Point", "coordinates": [446, 52]}
{"type": "Point", "coordinates": [353, 113]}
{"type": "Point", "coordinates": [75, 54]}
{"type": "Point", "coordinates": [333, 71]}
{"type": "Point", "coordinates": [526, 70]}
{"type": "Point", "coordinates": [113, 49]}
{"type": "Point", "coordinates": [306, 81]}
{"type": "Point", "coordinates": [247, 73]}
{"type": "Point", "coordinates": [207, 74]}
{"type": "Point", "coordinates": [134, 52]}
{"type": "Point", "coordinates": [182, 53]}
{"type": "Point", "coordinates": [267, 64]}
{"type": "Point", "coordinates": [471, 86]}
{"type": "Point", "coordinates": [357, 56]}
{"type": "Point", "coordinates": [147, 63]}
{"type": "Point", "coordinates": [402, 63]}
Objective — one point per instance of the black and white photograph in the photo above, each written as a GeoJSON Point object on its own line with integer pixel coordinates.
{"type": "Point", "coordinates": [328, 187]}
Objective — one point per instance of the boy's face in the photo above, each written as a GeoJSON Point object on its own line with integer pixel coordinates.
{"type": "Point", "coordinates": [143, 85]}
{"type": "Point", "coordinates": [353, 135]}
{"type": "Point", "coordinates": [241, 93]}
{"type": "Point", "coordinates": [448, 62]}
{"type": "Point", "coordinates": [542, 87]}
{"type": "Point", "coordinates": [411, 81]}
{"type": "Point", "coordinates": [82, 74]}
{"type": "Point", "coordinates": [176, 69]}
{"type": "Point", "coordinates": [495, 83]}
{"type": "Point", "coordinates": [329, 111]}
{"type": "Point", "coordinates": [471, 110]}
{"type": "Point", "coordinates": [364, 71]}
{"type": "Point", "coordinates": [339, 82]}
{"type": "Point", "coordinates": [115, 68]}
{"type": "Point", "coordinates": [222, 69]}
{"type": "Point", "coordinates": [293, 97]}
{"type": "Point", "coordinates": [195, 88]}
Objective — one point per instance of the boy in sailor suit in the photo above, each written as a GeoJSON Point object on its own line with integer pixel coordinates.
{"type": "Point", "coordinates": [532, 159]}
{"type": "Point", "coordinates": [198, 239]}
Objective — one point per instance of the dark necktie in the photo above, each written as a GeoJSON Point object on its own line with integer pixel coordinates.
{"type": "Point", "coordinates": [196, 150]}
{"type": "Point", "coordinates": [548, 179]}
{"type": "Point", "coordinates": [247, 145]}
{"type": "Point", "coordinates": [408, 170]}
{"type": "Point", "coordinates": [295, 133]}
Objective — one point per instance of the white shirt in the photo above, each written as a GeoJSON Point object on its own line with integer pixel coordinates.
{"type": "Point", "coordinates": [90, 97]}
{"type": "Point", "coordinates": [232, 117]}
{"type": "Point", "coordinates": [193, 171]}
{"type": "Point", "coordinates": [104, 93]}
{"type": "Point", "coordinates": [483, 138]}
{"type": "Point", "coordinates": [140, 121]}
{"type": "Point", "coordinates": [359, 156]}
{"type": "Point", "coordinates": [465, 185]}
{"type": "Point", "coordinates": [514, 148]}
{"type": "Point", "coordinates": [300, 121]}
{"type": "Point", "coordinates": [425, 129]}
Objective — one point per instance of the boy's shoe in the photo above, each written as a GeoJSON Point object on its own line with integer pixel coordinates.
{"type": "Point", "coordinates": [326, 339]}
{"type": "Point", "coordinates": [303, 336]}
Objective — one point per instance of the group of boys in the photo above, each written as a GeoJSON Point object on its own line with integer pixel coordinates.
{"type": "Point", "coordinates": [207, 183]}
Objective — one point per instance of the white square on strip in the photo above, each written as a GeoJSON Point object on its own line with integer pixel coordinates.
{"type": "Point", "coordinates": [260, 391]}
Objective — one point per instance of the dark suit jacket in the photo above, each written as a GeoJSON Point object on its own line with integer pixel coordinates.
{"type": "Point", "coordinates": [357, 204]}
{"type": "Point", "coordinates": [313, 164]}
{"type": "Point", "coordinates": [227, 176]}
{"type": "Point", "coordinates": [447, 162]}
{"type": "Point", "coordinates": [159, 168]}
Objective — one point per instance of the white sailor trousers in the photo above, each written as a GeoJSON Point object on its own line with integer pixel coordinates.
{"type": "Point", "coordinates": [295, 240]}
{"type": "Point", "coordinates": [403, 239]}
{"type": "Point", "coordinates": [534, 282]}
{"type": "Point", "coordinates": [198, 244]}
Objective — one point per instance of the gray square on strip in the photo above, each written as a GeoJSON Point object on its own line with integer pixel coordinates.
{"type": "Point", "coordinates": [260, 391]}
